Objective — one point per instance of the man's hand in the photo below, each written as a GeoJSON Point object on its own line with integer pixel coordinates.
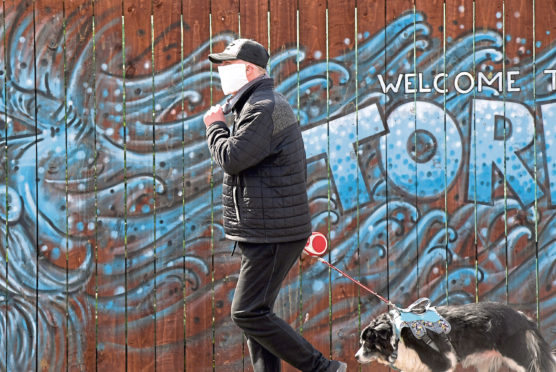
{"type": "Point", "coordinates": [214, 114]}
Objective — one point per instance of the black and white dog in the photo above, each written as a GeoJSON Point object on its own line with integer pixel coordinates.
{"type": "Point", "coordinates": [483, 335]}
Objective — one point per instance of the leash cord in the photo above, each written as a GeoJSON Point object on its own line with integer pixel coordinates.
{"type": "Point", "coordinates": [357, 282]}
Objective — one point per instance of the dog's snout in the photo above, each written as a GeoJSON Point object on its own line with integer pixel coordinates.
{"type": "Point", "coordinates": [358, 355]}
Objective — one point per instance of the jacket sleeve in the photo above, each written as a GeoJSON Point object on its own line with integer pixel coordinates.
{"type": "Point", "coordinates": [247, 147]}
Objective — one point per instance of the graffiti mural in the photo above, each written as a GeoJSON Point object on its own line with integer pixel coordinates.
{"type": "Point", "coordinates": [433, 174]}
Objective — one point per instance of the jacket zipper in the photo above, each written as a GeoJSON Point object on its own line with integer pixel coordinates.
{"type": "Point", "coordinates": [234, 197]}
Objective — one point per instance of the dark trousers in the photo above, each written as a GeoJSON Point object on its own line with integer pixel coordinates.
{"type": "Point", "coordinates": [269, 338]}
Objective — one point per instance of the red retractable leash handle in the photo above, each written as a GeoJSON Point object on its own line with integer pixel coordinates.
{"type": "Point", "coordinates": [316, 246]}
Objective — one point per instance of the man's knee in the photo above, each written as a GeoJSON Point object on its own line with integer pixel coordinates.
{"type": "Point", "coordinates": [245, 319]}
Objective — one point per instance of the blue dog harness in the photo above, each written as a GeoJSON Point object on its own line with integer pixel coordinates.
{"type": "Point", "coordinates": [419, 317]}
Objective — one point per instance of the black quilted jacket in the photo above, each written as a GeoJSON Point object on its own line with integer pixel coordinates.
{"type": "Point", "coordinates": [264, 192]}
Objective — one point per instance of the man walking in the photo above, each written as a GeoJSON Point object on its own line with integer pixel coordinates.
{"type": "Point", "coordinates": [265, 206]}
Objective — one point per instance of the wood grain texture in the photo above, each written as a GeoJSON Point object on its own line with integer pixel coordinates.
{"type": "Point", "coordinates": [491, 225]}
{"type": "Point", "coordinates": [545, 29]}
{"type": "Point", "coordinates": [522, 261]}
{"type": "Point", "coordinates": [114, 255]}
{"type": "Point", "coordinates": [312, 43]}
{"type": "Point", "coordinates": [227, 338]}
{"type": "Point", "coordinates": [81, 165]}
{"type": "Point", "coordinates": [111, 334]}
{"type": "Point", "coordinates": [168, 114]}
{"type": "Point", "coordinates": [345, 295]}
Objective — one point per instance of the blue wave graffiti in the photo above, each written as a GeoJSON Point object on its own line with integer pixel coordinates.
{"type": "Point", "coordinates": [36, 187]}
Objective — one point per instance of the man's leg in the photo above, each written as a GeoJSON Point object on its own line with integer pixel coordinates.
{"type": "Point", "coordinates": [263, 268]}
{"type": "Point", "coordinates": [261, 358]}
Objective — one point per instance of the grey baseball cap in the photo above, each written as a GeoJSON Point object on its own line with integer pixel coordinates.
{"type": "Point", "coordinates": [244, 49]}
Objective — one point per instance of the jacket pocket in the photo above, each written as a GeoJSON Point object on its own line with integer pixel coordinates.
{"type": "Point", "coordinates": [234, 197]}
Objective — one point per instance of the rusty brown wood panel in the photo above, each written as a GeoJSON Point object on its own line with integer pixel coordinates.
{"type": "Point", "coordinates": [491, 237]}
{"type": "Point", "coordinates": [227, 339]}
{"type": "Point", "coordinates": [198, 303]}
{"type": "Point", "coordinates": [80, 182]}
{"type": "Point", "coordinates": [11, 126]}
{"type": "Point", "coordinates": [254, 21]}
{"type": "Point", "coordinates": [4, 190]}
{"type": "Point", "coordinates": [112, 189]}
{"type": "Point", "coordinates": [374, 235]}
{"type": "Point", "coordinates": [140, 161]}
{"type": "Point", "coordinates": [544, 33]}
{"type": "Point", "coordinates": [346, 211]}
{"type": "Point", "coordinates": [461, 212]}
{"type": "Point", "coordinates": [168, 182]}
{"type": "Point", "coordinates": [429, 145]}
{"type": "Point", "coordinates": [141, 311]}
{"type": "Point", "coordinates": [402, 285]}
{"type": "Point", "coordinates": [282, 28]}
{"type": "Point", "coordinates": [312, 92]}
{"type": "Point", "coordinates": [522, 261]}
{"type": "Point", "coordinates": [49, 69]}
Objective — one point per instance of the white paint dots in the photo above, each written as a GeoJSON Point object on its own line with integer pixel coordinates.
{"type": "Point", "coordinates": [461, 9]}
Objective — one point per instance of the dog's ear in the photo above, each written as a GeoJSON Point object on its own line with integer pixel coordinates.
{"type": "Point", "coordinates": [367, 334]}
{"type": "Point", "coordinates": [383, 330]}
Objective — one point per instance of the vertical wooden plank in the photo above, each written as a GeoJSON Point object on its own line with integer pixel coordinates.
{"type": "Point", "coordinates": [141, 203]}
{"type": "Point", "coordinates": [344, 235]}
{"type": "Point", "coordinates": [22, 353]}
{"type": "Point", "coordinates": [432, 132]}
{"type": "Point", "coordinates": [545, 29]}
{"type": "Point", "coordinates": [5, 191]}
{"type": "Point", "coordinates": [196, 79]}
{"type": "Point", "coordinates": [403, 259]}
{"type": "Point", "coordinates": [374, 227]}
{"type": "Point", "coordinates": [168, 144]}
{"type": "Point", "coordinates": [522, 276]}
{"type": "Point", "coordinates": [462, 277]}
{"type": "Point", "coordinates": [112, 189]}
{"type": "Point", "coordinates": [253, 23]}
{"type": "Point", "coordinates": [312, 111]}
{"type": "Point", "coordinates": [51, 203]}
{"type": "Point", "coordinates": [80, 179]}
{"type": "Point", "coordinates": [225, 27]}
{"type": "Point", "coordinates": [282, 28]}
{"type": "Point", "coordinates": [491, 237]}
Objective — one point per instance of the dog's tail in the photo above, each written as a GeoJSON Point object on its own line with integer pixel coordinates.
{"type": "Point", "coordinates": [542, 357]}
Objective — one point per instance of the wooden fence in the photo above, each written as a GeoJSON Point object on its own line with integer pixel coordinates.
{"type": "Point", "coordinates": [430, 131]}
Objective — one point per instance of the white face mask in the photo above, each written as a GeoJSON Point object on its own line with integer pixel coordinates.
{"type": "Point", "coordinates": [232, 77]}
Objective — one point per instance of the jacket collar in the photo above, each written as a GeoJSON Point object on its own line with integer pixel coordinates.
{"type": "Point", "coordinates": [237, 101]}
